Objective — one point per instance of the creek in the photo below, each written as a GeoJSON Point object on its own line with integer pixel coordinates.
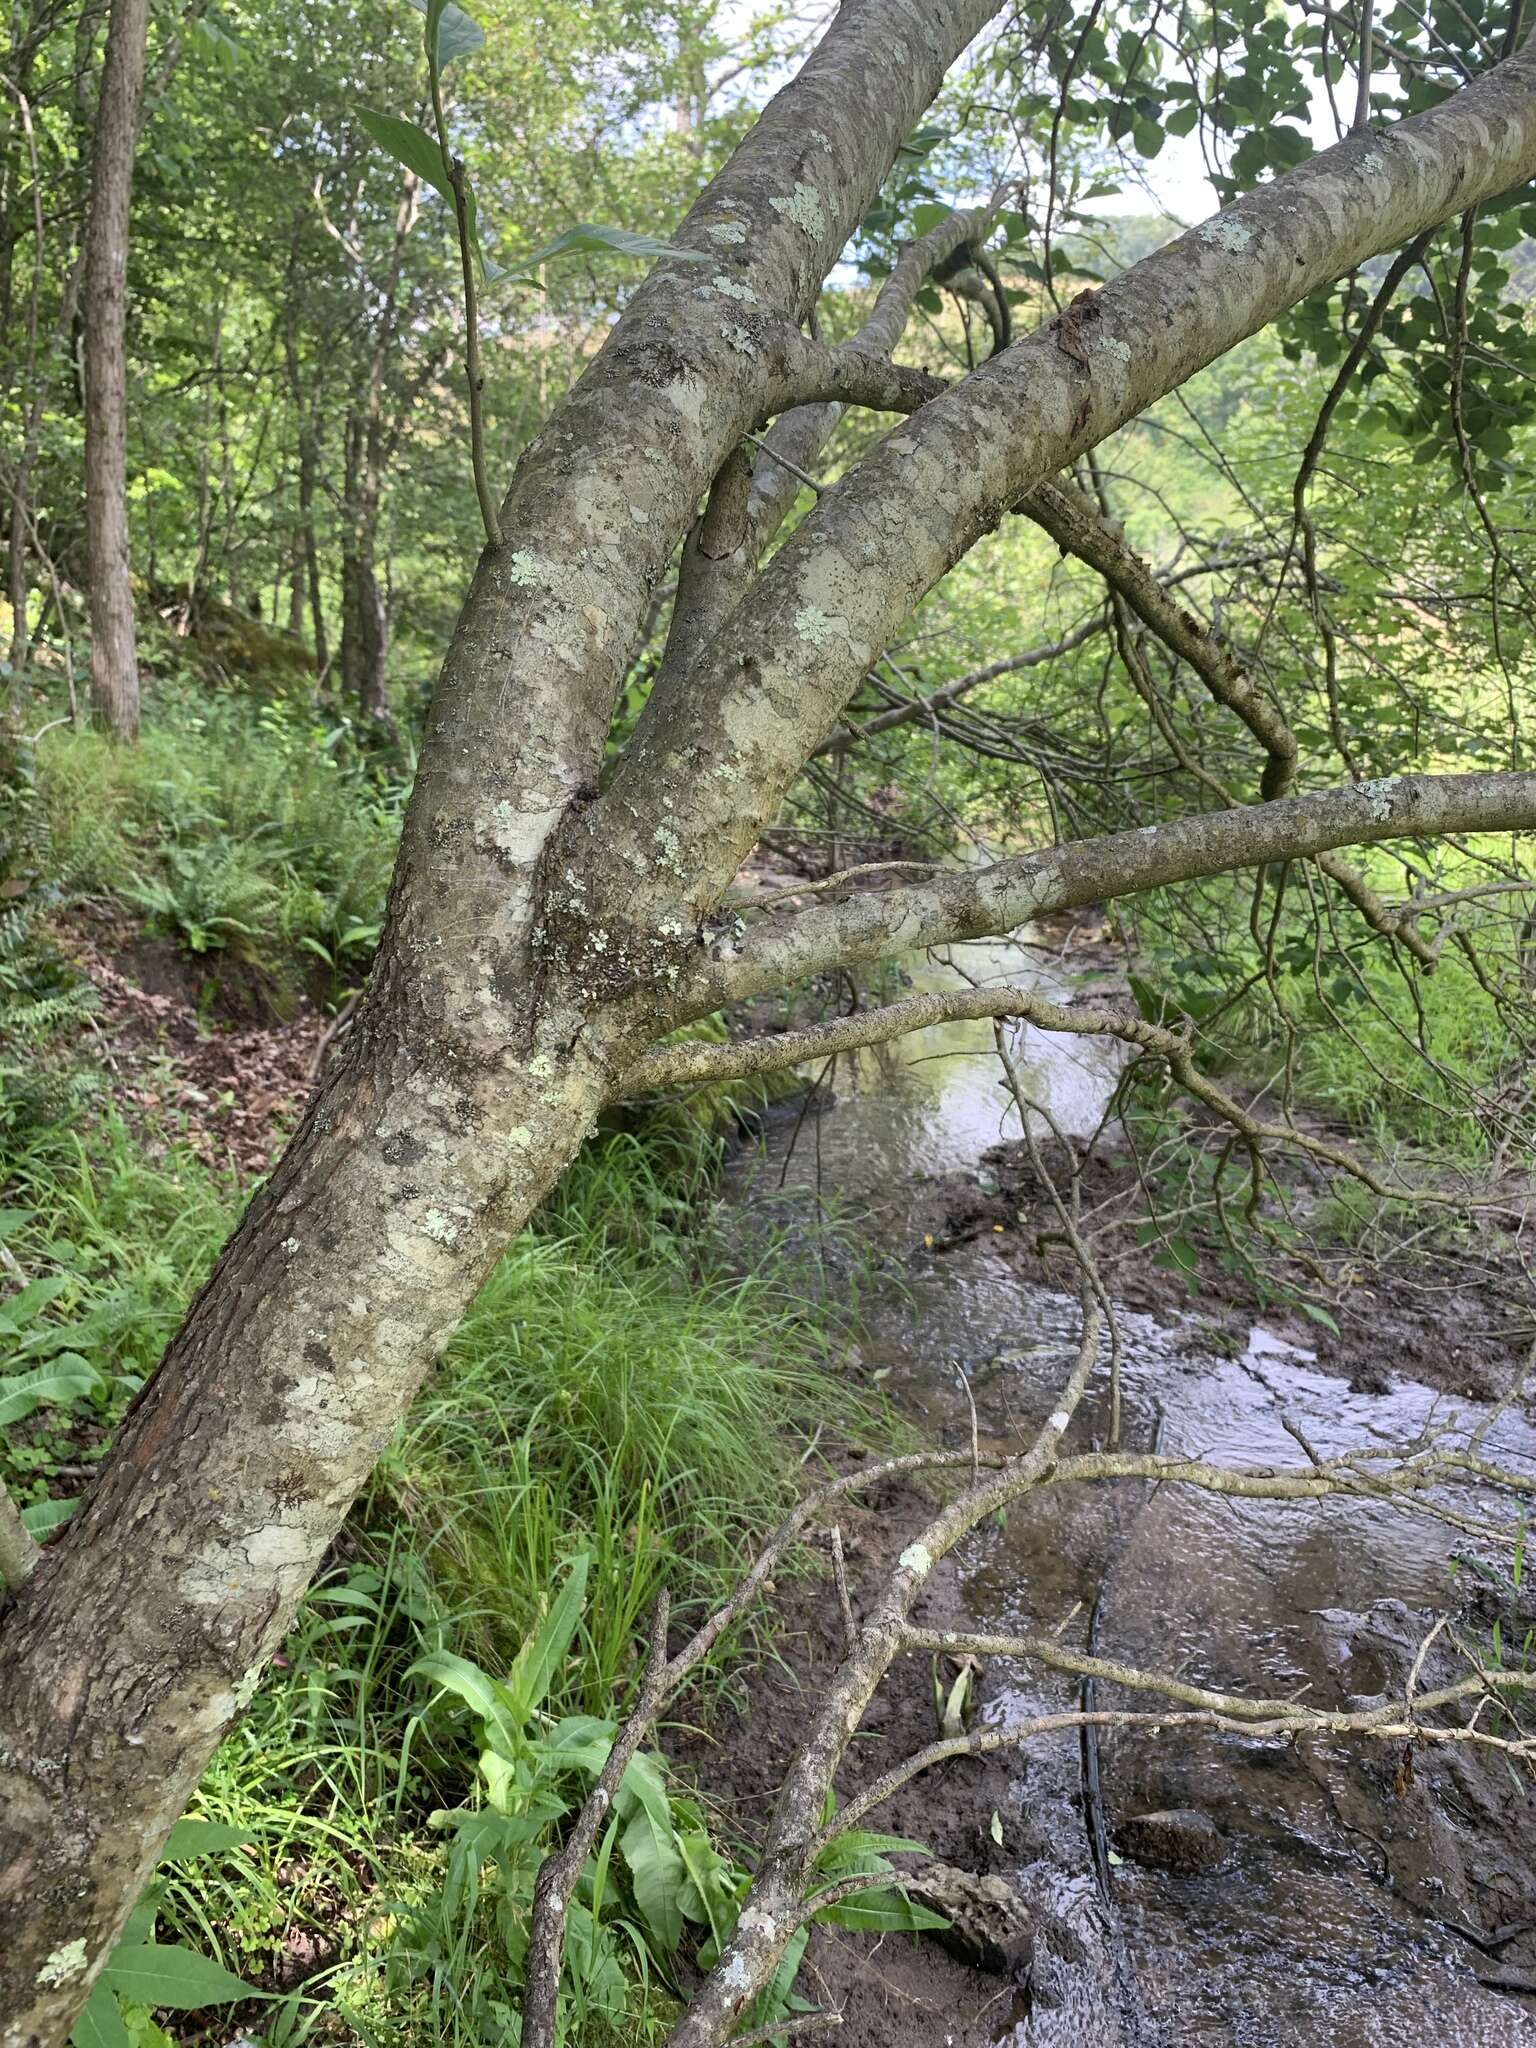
{"type": "Point", "coordinates": [1359, 1898]}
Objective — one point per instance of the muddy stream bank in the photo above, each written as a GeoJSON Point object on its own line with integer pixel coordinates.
{"type": "Point", "coordinates": [1303, 1893]}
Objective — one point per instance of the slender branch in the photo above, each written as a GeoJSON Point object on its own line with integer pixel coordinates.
{"type": "Point", "coordinates": [453, 170]}
{"type": "Point", "coordinates": [1403, 1726]}
{"type": "Point", "coordinates": [701, 1064]}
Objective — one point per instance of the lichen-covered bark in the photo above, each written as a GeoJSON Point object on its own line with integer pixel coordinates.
{"type": "Point", "coordinates": [539, 937]}
{"type": "Point", "coordinates": [477, 1066]}
{"type": "Point", "coordinates": [974, 902]}
{"type": "Point", "coordinates": [736, 729]}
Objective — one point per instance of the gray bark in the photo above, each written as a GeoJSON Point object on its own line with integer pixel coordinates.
{"type": "Point", "coordinates": [104, 312]}
{"type": "Point", "coordinates": [540, 937]}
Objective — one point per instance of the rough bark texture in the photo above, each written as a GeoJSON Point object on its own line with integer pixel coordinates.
{"type": "Point", "coordinates": [540, 936]}
{"type": "Point", "coordinates": [476, 1069]}
{"type": "Point", "coordinates": [104, 311]}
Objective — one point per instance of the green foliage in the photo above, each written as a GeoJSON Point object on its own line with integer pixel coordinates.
{"type": "Point", "coordinates": [142, 1972]}
{"type": "Point", "coordinates": [615, 1394]}
{"type": "Point", "coordinates": [246, 830]}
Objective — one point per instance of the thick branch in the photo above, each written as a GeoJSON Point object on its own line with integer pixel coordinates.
{"type": "Point", "coordinates": [740, 725]}
{"type": "Point", "coordinates": [978, 903]}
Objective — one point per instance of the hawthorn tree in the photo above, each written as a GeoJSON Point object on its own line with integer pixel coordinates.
{"type": "Point", "coordinates": [548, 925]}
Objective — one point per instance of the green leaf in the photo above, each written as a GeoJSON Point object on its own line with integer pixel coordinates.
{"type": "Point", "coordinates": [19, 1396]}
{"type": "Point", "coordinates": [160, 1973]}
{"type": "Point", "coordinates": [709, 1883]}
{"type": "Point", "coordinates": [650, 1847]}
{"type": "Point", "coordinates": [44, 1516]}
{"type": "Point", "coordinates": [190, 1838]}
{"type": "Point", "coordinates": [100, 2024]}
{"type": "Point", "coordinates": [885, 1910]}
{"type": "Point", "coordinates": [535, 1665]}
{"type": "Point", "coordinates": [419, 152]}
{"type": "Point", "coordinates": [857, 1849]}
{"type": "Point", "coordinates": [1320, 1315]}
{"type": "Point", "coordinates": [479, 1692]}
{"type": "Point", "coordinates": [588, 239]}
{"type": "Point", "coordinates": [409, 145]}
{"type": "Point", "coordinates": [457, 32]}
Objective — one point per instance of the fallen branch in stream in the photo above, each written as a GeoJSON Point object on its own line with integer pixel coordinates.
{"type": "Point", "coordinates": [791, 1888]}
{"type": "Point", "coordinates": [701, 1063]}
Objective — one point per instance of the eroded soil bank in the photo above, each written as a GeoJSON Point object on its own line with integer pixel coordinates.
{"type": "Point", "coordinates": [1302, 1893]}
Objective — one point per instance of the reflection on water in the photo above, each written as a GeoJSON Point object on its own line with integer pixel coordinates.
{"type": "Point", "coordinates": [934, 1102]}
{"type": "Point", "coordinates": [1323, 1925]}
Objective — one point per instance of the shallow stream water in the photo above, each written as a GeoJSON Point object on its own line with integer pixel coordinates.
{"type": "Point", "coordinates": [1332, 1916]}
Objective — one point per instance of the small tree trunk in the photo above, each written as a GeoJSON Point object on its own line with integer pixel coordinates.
{"type": "Point", "coordinates": [104, 306]}
{"type": "Point", "coordinates": [364, 621]}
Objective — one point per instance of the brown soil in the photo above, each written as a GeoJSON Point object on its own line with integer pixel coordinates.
{"type": "Point", "coordinates": [231, 1088]}
{"type": "Point", "coordinates": [1456, 1311]}
{"type": "Point", "coordinates": [894, 1991]}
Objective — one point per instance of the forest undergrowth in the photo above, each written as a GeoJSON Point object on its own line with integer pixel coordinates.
{"type": "Point", "coordinates": [622, 1412]}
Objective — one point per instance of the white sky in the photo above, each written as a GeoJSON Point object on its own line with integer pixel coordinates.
{"type": "Point", "coordinates": [1176, 175]}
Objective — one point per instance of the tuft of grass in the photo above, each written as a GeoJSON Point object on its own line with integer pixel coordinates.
{"type": "Point", "coordinates": [616, 1390]}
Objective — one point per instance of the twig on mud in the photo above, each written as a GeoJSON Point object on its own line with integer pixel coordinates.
{"type": "Point", "coordinates": [840, 1574]}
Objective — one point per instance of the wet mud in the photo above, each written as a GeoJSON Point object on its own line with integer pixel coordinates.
{"type": "Point", "coordinates": [1285, 1893]}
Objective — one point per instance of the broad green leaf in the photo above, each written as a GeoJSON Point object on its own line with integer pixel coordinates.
{"type": "Point", "coordinates": [885, 1910]}
{"type": "Point", "coordinates": [409, 145]}
{"type": "Point", "coordinates": [479, 1692]}
{"type": "Point", "coordinates": [705, 1897]}
{"type": "Point", "coordinates": [160, 1973]}
{"type": "Point", "coordinates": [588, 239]}
{"type": "Point", "coordinates": [190, 1838]}
{"type": "Point", "coordinates": [650, 1849]}
{"type": "Point", "coordinates": [580, 1741]}
{"type": "Point", "coordinates": [854, 1847]}
{"type": "Point", "coordinates": [44, 1516]}
{"type": "Point", "coordinates": [457, 32]}
{"type": "Point", "coordinates": [535, 1665]}
{"type": "Point", "coordinates": [100, 2024]}
{"type": "Point", "coordinates": [19, 1396]}
{"type": "Point", "coordinates": [419, 152]}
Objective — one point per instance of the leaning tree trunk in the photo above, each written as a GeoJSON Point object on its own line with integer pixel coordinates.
{"type": "Point", "coordinates": [541, 933]}
{"type": "Point", "coordinates": [104, 311]}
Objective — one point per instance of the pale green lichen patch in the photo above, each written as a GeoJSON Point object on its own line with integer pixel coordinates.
{"type": "Point", "coordinates": [687, 396]}
{"type": "Point", "coordinates": [1223, 233]}
{"type": "Point", "coordinates": [247, 1686]}
{"type": "Point", "coordinates": [1120, 350]}
{"type": "Point", "coordinates": [440, 1229]}
{"type": "Point", "coordinates": [1377, 796]}
{"type": "Point", "coordinates": [737, 338]}
{"type": "Point", "coordinates": [730, 232]}
{"type": "Point", "coordinates": [803, 206]}
{"type": "Point", "coordinates": [917, 1559]}
{"type": "Point", "coordinates": [520, 1136]}
{"type": "Point", "coordinates": [821, 628]}
{"type": "Point", "coordinates": [733, 288]}
{"type": "Point", "coordinates": [64, 1965]}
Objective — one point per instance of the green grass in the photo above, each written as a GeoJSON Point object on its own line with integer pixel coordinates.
{"type": "Point", "coordinates": [615, 1390]}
